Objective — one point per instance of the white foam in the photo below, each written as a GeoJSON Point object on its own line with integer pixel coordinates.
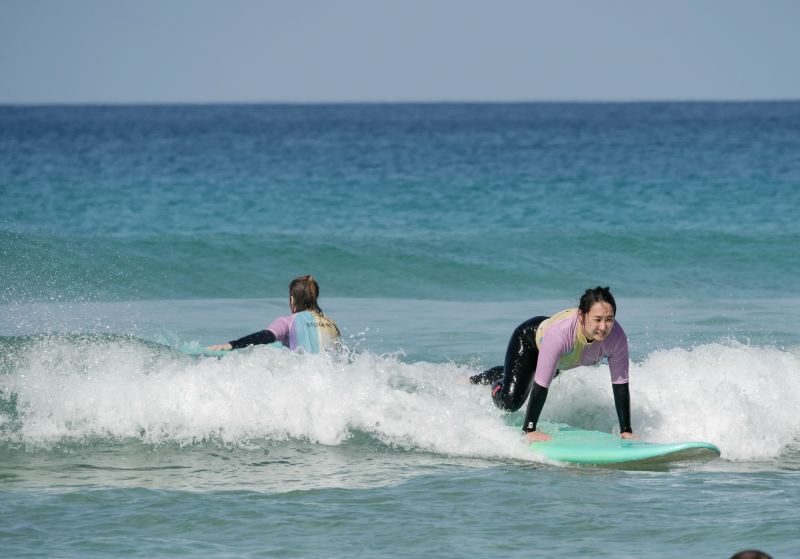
{"type": "Point", "coordinates": [122, 389]}
{"type": "Point", "coordinates": [742, 398]}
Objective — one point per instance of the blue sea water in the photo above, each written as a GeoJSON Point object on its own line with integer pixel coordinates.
{"type": "Point", "coordinates": [434, 229]}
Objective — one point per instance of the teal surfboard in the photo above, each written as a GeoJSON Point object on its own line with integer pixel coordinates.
{"type": "Point", "coordinates": [577, 446]}
{"type": "Point", "coordinates": [202, 351]}
{"type": "Point", "coordinates": [197, 350]}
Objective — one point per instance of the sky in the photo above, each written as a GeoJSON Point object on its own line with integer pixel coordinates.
{"type": "Point", "coordinates": [301, 51]}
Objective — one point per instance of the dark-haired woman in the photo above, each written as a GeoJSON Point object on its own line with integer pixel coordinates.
{"type": "Point", "coordinates": [305, 328]}
{"type": "Point", "coordinates": [541, 347]}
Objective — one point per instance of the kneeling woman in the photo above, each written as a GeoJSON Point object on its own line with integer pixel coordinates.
{"type": "Point", "coordinates": [305, 328]}
{"type": "Point", "coordinates": [541, 347]}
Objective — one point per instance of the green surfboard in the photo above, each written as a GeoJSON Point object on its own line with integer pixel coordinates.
{"type": "Point", "coordinates": [200, 351]}
{"type": "Point", "coordinates": [577, 446]}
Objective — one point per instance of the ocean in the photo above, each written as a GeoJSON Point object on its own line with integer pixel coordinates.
{"type": "Point", "coordinates": [129, 233]}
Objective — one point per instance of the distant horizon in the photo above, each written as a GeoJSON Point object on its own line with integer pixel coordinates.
{"type": "Point", "coordinates": [409, 102]}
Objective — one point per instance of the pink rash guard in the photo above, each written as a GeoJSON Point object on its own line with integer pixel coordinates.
{"type": "Point", "coordinates": [562, 345]}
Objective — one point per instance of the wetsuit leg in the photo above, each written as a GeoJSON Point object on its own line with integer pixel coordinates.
{"type": "Point", "coordinates": [489, 376]}
{"type": "Point", "coordinates": [521, 356]}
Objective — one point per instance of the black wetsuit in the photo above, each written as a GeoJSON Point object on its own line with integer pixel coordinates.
{"type": "Point", "coordinates": [513, 382]}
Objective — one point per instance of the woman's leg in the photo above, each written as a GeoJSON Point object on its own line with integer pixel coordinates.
{"type": "Point", "coordinates": [521, 356]}
{"type": "Point", "coordinates": [488, 376]}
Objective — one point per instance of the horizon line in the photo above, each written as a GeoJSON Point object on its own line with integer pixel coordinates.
{"type": "Point", "coordinates": [393, 102]}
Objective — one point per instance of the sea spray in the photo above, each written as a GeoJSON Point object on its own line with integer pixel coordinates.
{"type": "Point", "coordinates": [742, 398]}
{"type": "Point", "coordinates": [127, 389]}
{"type": "Point", "coordinates": [117, 388]}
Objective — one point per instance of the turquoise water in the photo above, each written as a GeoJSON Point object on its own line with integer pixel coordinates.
{"type": "Point", "coordinates": [127, 232]}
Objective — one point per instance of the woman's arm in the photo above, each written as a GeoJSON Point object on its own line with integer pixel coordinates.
{"type": "Point", "coordinates": [535, 405]}
{"type": "Point", "coordinates": [618, 365]}
{"type": "Point", "coordinates": [257, 338]}
{"type": "Point", "coordinates": [553, 346]}
{"type": "Point", "coordinates": [622, 401]}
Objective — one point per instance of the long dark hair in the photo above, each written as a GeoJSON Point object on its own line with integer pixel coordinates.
{"type": "Point", "coordinates": [596, 295]}
{"type": "Point", "coordinates": [304, 291]}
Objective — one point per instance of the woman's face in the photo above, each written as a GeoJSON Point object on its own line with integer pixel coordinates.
{"type": "Point", "coordinates": [598, 322]}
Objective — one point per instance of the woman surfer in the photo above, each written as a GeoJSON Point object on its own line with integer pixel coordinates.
{"type": "Point", "coordinates": [541, 347]}
{"type": "Point", "coordinates": [307, 327]}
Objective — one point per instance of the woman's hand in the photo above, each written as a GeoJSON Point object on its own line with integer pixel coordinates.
{"type": "Point", "coordinates": [220, 347]}
{"type": "Point", "coordinates": [537, 437]}
{"type": "Point", "coordinates": [627, 435]}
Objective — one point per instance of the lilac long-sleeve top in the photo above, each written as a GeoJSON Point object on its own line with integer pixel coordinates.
{"type": "Point", "coordinates": [562, 345]}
